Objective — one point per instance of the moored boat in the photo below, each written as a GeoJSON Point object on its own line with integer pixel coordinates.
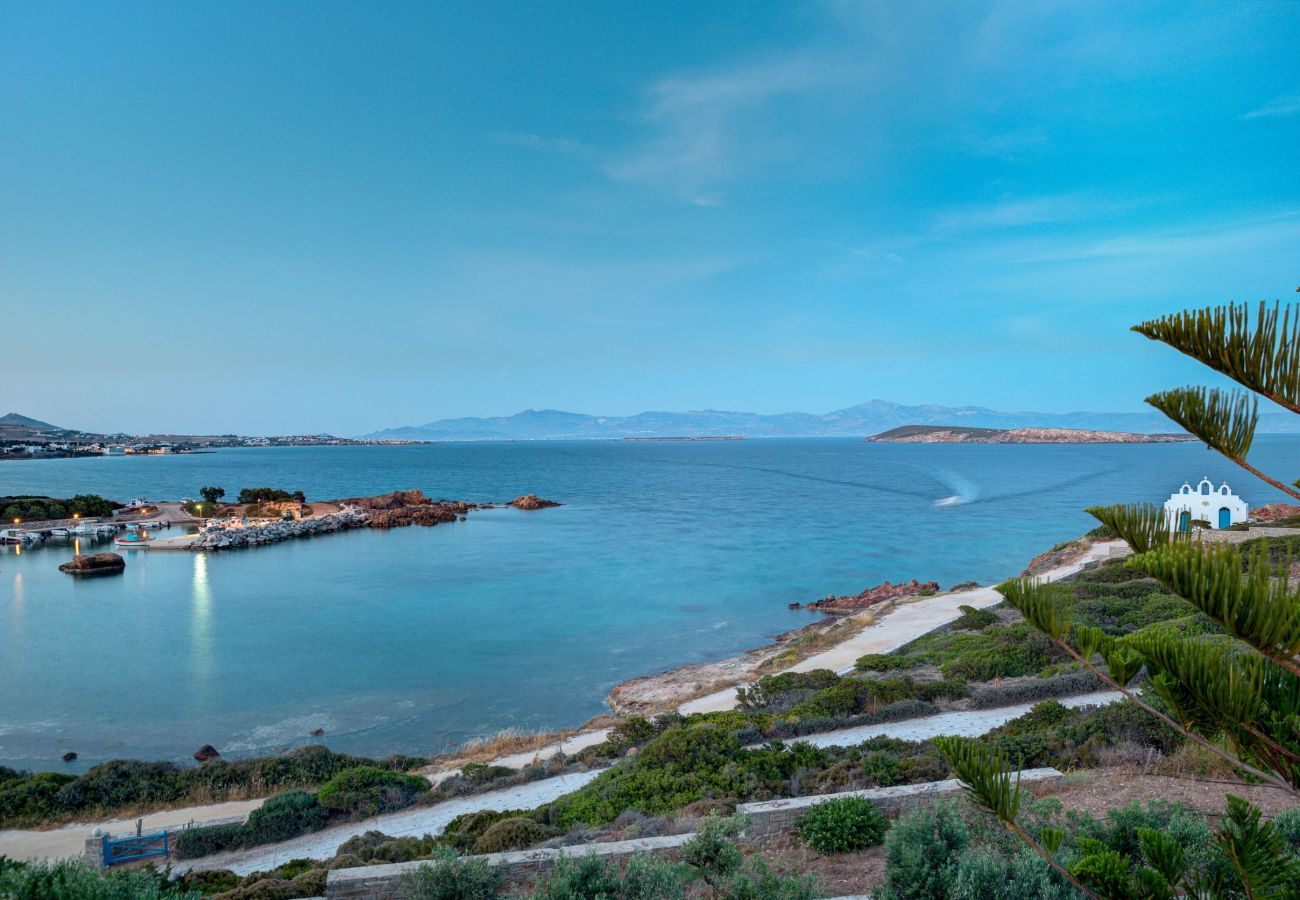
{"type": "Point", "coordinates": [133, 539]}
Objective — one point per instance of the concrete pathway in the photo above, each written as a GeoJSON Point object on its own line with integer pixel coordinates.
{"type": "Point", "coordinates": [416, 821]}
{"type": "Point", "coordinates": [70, 840]}
{"type": "Point", "coordinates": [965, 723]}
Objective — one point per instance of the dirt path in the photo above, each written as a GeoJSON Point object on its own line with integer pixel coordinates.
{"type": "Point", "coordinates": [69, 840]}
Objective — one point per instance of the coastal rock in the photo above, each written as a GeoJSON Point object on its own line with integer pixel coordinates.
{"type": "Point", "coordinates": [532, 501]}
{"type": "Point", "coordinates": [91, 564]}
{"type": "Point", "coordinates": [1060, 555]}
{"type": "Point", "coordinates": [1271, 512]}
{"type": "Point", "coordinates": [882, 593]}
{"type": "Point", "coordinates": [401, 508]}
{"type": "Point", "coordinates": [206, 753]}
{"type": "Point", "coordinates": [70, 756]}
{"type": "Point", "coordinates": [233, 534]}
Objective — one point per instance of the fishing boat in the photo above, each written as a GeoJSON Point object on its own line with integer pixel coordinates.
{"type": "Point", "coordinates": [14, 536]}
{"type": "Point", "coordinates": [133, 539]}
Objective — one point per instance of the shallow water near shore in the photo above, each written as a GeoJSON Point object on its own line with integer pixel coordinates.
{"type": "Point", "coordinates": [417, 639]}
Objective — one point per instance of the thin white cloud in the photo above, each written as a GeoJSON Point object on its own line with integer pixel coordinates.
{"type": "Point", "coordinates": [707, 130]}
{"type": "Point", "coordinates": [566, 146]}
{"type": "Point", "coordinates": [1019, 212]}
{"type": "Point", "coordinates": [1278, 106]}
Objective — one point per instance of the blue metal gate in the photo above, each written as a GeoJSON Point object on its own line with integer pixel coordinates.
{"type": "Point", "coordinates": [124, 850]}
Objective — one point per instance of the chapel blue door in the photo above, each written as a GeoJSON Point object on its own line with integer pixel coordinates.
{"type": "Point", "coordinates": [1185, 521]}
{"type": "Point", "coordinates": [1225, 517]}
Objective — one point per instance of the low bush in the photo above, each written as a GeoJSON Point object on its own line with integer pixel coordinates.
{"type": "Point", "coordinates": [195, 842]}
{"type": "Point", "coordinates": [1063, 685]}
{"type": "Point", "coordinates": [285, 816]}
{"type": "Point", "coordinates": [122, 785]}
{"type": "Point", "coordinates": [74, 880]}
{"type": "Point", "coordinates": [973, 619]}
{"type": "Point", "coordinates": [514, 833]}
{"type": "Point", "coordinates": [842, 825]}
{"type": "Point", "coordinates": [449, 877]}
{"type": "Point", "coordinates": [367, 791]}
{"type": "Point", "coordinates": [922, 852]}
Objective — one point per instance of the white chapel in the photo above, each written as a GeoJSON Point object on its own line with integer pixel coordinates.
{"type": "Point", "coordinates": [1205, 503]}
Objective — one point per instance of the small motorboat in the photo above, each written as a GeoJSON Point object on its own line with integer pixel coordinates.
{"type": "Point", "coordinates": [134, 538]}
{"type": "Point", "coordinates": [58, 533]}
{"type": "Point", "coordinates": [14, 536]}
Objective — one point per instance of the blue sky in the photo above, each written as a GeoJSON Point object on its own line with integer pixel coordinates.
{"type": "Point", "coordinates": [345, 216]}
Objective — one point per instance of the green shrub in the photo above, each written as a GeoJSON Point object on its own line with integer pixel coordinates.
{"type": "Point", "coordinates": [285, 816]}
{"type": "Point", "coordinates": [74, 880]}
{"type": "Point", "coordinates": [367, 791]}
{"type": "Point", "coordinates": [973, 619]}
{"type": "Point", "coordinates": [712, 852]}
{"type": "Point", "coordinates": [985, 873]}
{"type": "Point", "coordinates": [922, 852]}
{"type": "Point", "coordinates": [453, 878]}
{"type": "Point", "coordinates": [756, 881]}
{"type": "Point", "coordinates": [1288, 823]}
{"type": "Point", "coordinates": [195, 842]}
{"type": "Point", "coordinates": [644, 877]}
{"type": "Point", "coordinates": [887, 662]}
{"type": "Point", "coordinates": [842, 825]}
{"type": "Point", "coordinates": [515, 833]}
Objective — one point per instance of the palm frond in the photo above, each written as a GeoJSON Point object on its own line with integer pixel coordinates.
{"type": "Point", "coordinates": [984, 774]}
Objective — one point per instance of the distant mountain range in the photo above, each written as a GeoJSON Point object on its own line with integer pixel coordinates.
{"type": "Point", "coordinates": [862, 420]}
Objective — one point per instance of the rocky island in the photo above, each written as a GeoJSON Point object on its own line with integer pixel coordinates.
{"type": "Point", "coordinates": [961, 434]}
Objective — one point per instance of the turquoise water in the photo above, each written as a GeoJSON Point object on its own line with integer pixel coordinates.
{"type": "Point", "coordinates": [417, 639]}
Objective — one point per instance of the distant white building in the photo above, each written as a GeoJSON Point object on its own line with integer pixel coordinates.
{"type": "Point", "coordinates": [1205, 503]}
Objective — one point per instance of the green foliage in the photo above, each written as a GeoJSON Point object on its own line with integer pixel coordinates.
{"type": "Point", "coordinates": [514, 833]}
{"type": "Point", "coordinates": [922, 853]}
{"type": "Point", "coordinates": [756, 881]}
{"type": "Point", "coordinates": [973, 619]}
{"type": "Point", "coordinates": [712, 852]}
{"type": "Point", "coordinates": [1263, 356]}
{"type": "Point", "coordinates": [284, 816]}
{"type": "Point", "coordinates": [644, 877]}
{"type": "Point", "coordinates": [452, 878]}
{"type": "Point", "coordinates": [367, 791]}
{"type": "Point", "coordinates": [1143, 526]}
{"type": "Point", "coordinates": [1257, 850]}
{"type": "Point", "coordinates": [887, 662]}
{"type": "Point", "coordinates": [1224, 420]}
{"type": "Point", "coordinates": [212, 494]}
{"type": "Point", "coordinates": [74, 880]}
{"type": "Point", "coordinates": [842, 825]}
{"type": "Point", "coordinates": [35, 509]}
{"type": "Point", "coordinates": [268, 495]}
{"type": "Point", "coordinates": [110, 787]}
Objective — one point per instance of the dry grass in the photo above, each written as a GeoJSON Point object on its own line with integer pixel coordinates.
{"type": "Point", "coordinates": [494, 746]}
{"type": "Point", "coordinates": [811, 641]}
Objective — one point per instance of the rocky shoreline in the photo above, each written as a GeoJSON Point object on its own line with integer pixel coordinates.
{"type": "Point", "coordinates": [397, 509]}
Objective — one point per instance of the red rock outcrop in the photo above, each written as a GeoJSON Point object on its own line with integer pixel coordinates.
{"type": "Point", "coordinates": [532, 501]}
{"type": "Point", "coordinates": [401, 508]}
{"type": "Point", "coordinates": [1271, 512]}
{"type": "Point", "coordinates": [882, 593]}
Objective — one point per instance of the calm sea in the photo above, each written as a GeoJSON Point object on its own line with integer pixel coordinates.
{"type": "Point", "coordinates": [417, 639]}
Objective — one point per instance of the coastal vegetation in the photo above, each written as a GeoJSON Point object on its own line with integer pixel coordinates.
{"type": "Point", "coordinates": [1233, 692]}
{"type": "Point", "coordinates": [268, 495]}
{"type": "Point", "coordinates": [34, 509]}
{"type": "Point", "coordinates": [125, 786]}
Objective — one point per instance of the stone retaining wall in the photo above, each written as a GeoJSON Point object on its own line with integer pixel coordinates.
{"type": "Point", "coordinates": [385, 882]}
{"type": "Point", "coordinates": [773, 818]}
{"type": "Point", "coordinates": [768, 820]}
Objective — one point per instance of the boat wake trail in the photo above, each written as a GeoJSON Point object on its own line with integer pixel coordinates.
{"type": "Point", "coordinates": [964, 490]}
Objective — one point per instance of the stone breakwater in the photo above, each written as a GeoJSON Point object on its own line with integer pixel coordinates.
{"type": "Point", "coordinates": [397, 509]}
{"type": "Point", "coordinates": [875, 596]}
{"type": "Point", "coordinates": [222, 537]}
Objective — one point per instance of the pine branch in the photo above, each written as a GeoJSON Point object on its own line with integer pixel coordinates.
{"type": "Point", "coordinates": [1263, 356]}
{"type": "Point", "coordinates": [1224, 421]}
{"type": "Point", "coordinates": [1045, 607]}
{"type": "Point", "coordinates": [1258, 607]}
